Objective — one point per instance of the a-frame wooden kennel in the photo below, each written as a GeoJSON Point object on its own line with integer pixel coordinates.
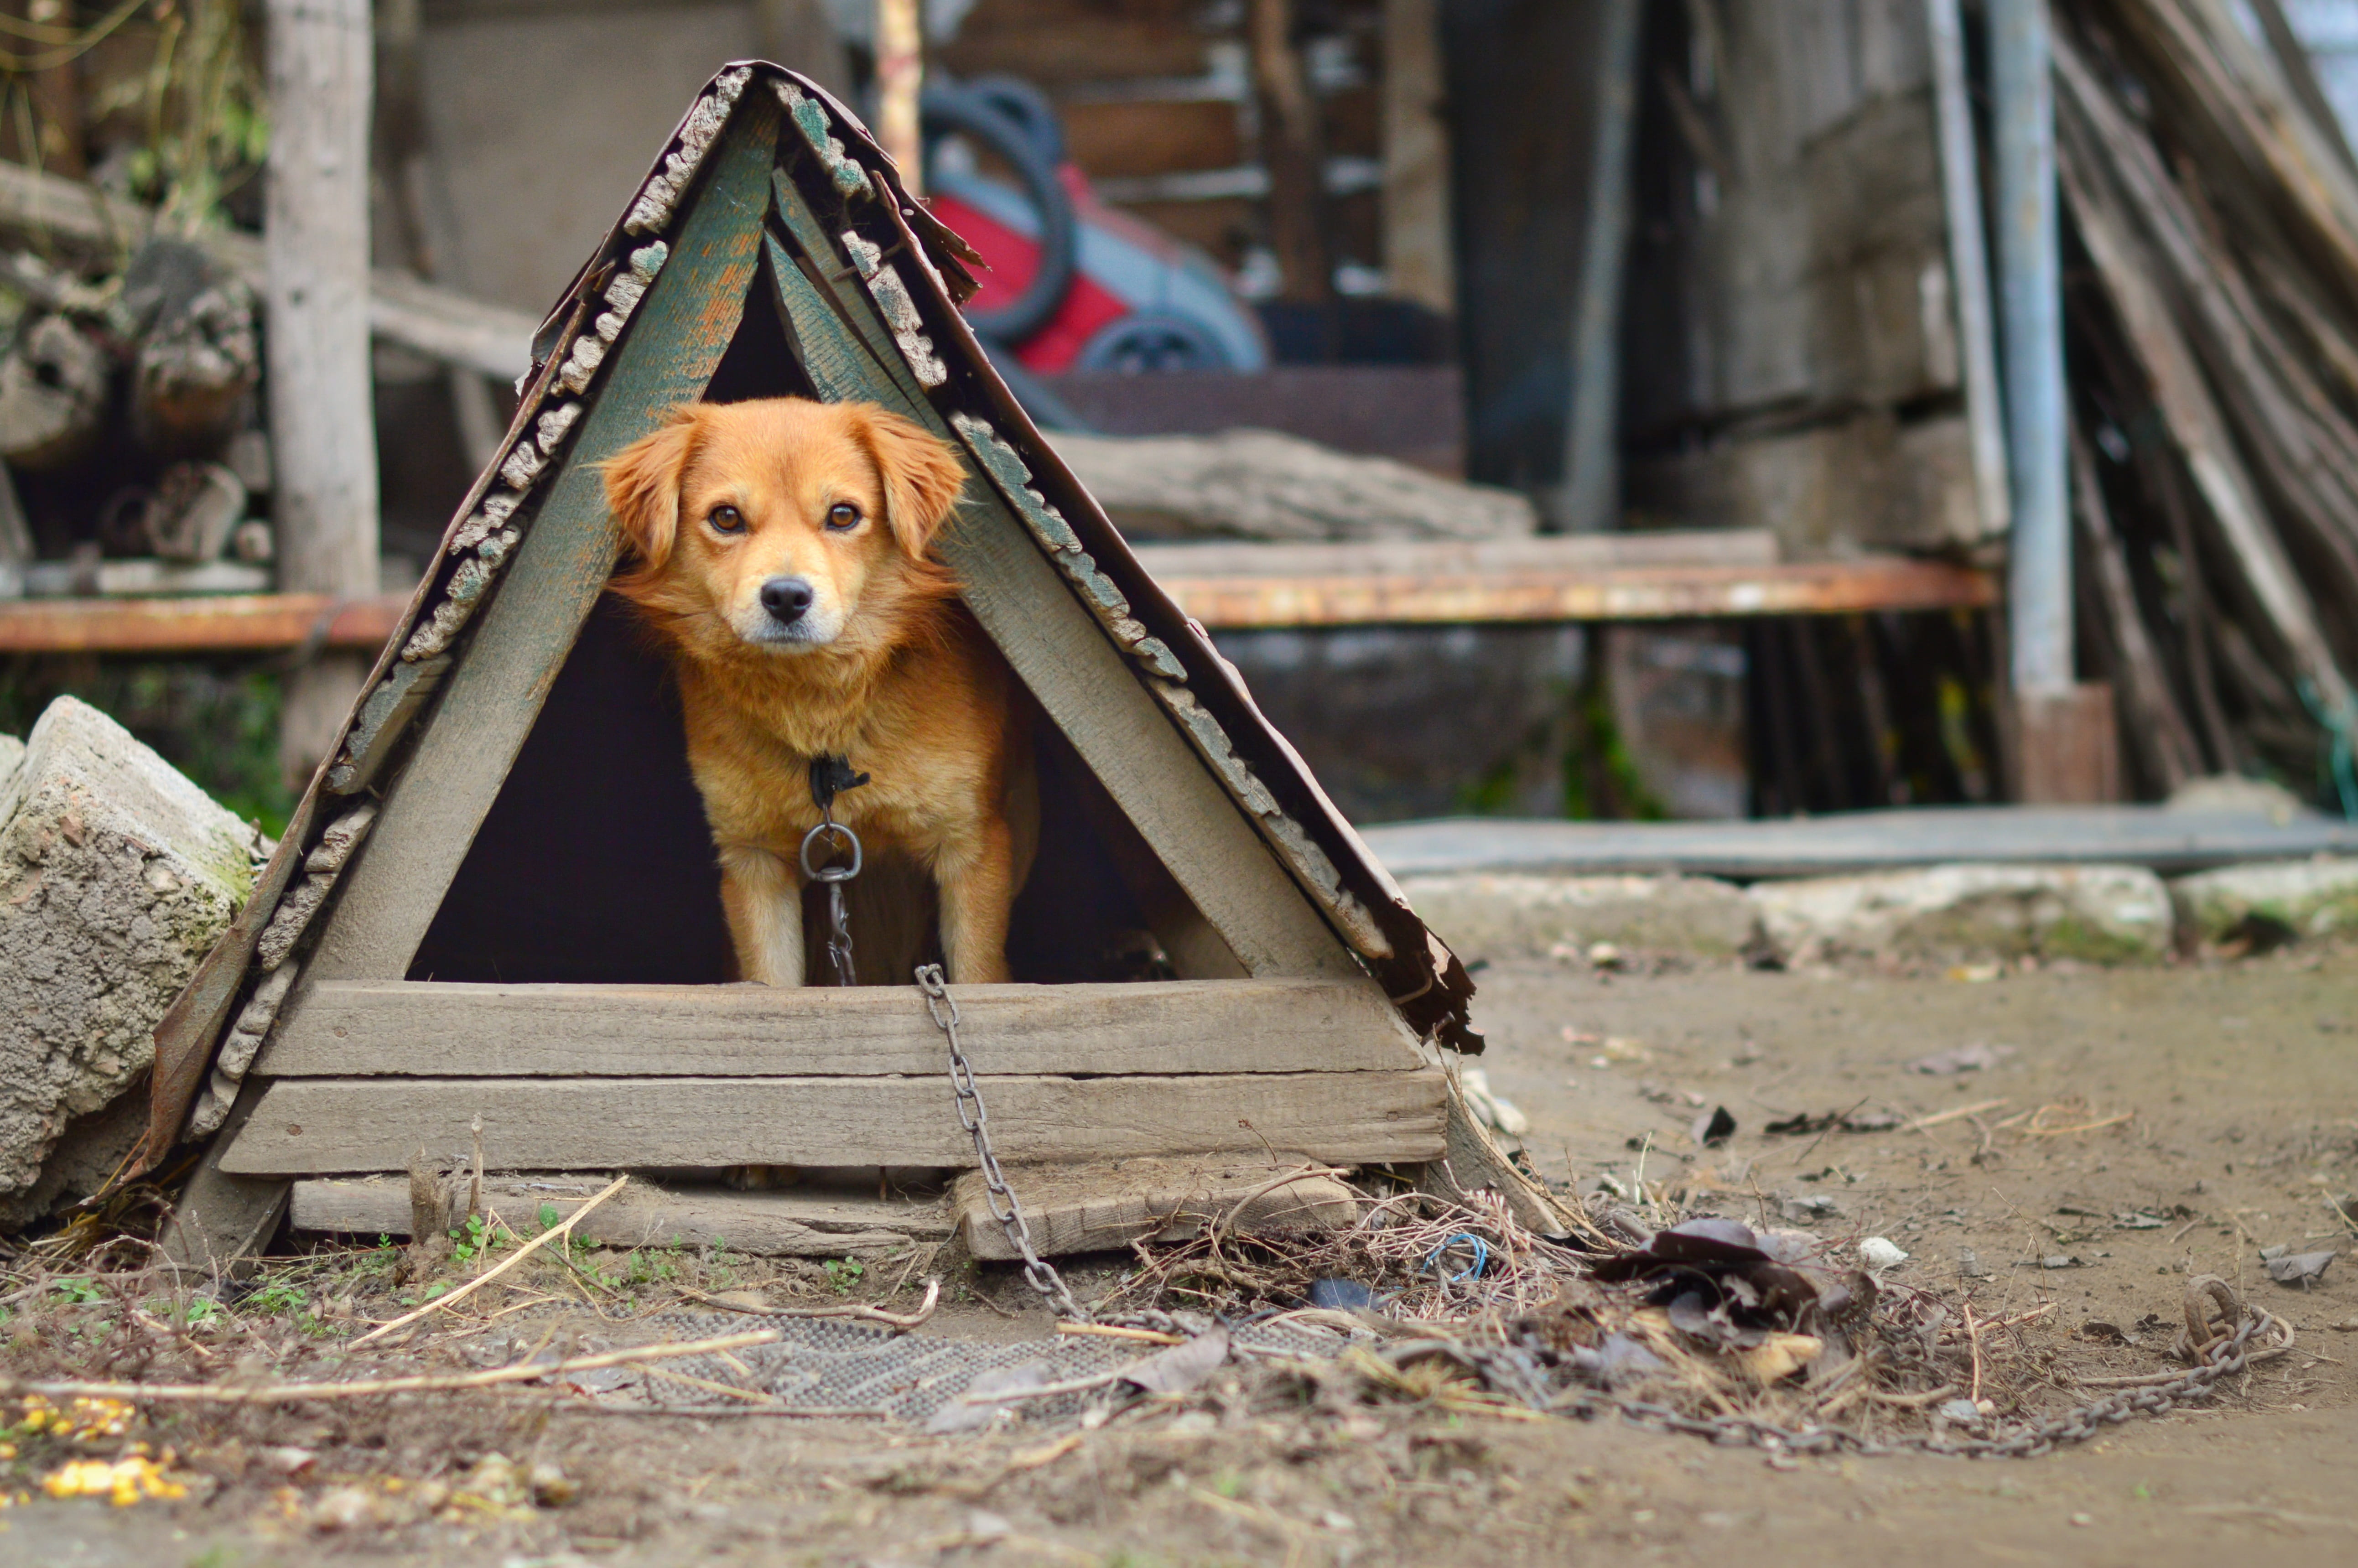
{"type": "Point", "coordinates": [772, 251]}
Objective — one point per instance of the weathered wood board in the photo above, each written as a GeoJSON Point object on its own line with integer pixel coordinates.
{"type": "Point", "coordinates": [789, 1224]}
{"type": "Point", "coordinates": [320, 1126]}
{"type": "Point", "coordinates": [1098, 1206]}
{"type": "Point", "coordinates": [429, 1029]}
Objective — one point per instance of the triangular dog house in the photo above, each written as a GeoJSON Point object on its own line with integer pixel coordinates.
{"type": "Point", "coordinates": [772, 251]}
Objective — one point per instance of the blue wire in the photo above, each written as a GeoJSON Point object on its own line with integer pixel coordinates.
{"type": "Point", "coordinates": [1481, 1256]}
{"type": "Point", "coordinates": [2341, 759]}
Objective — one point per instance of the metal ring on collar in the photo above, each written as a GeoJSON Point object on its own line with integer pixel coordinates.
{"type": "Point", "coordinates": [831, 873]}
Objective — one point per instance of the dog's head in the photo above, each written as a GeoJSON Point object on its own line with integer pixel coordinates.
{"type": "Point", "coordinates": [784, 524]}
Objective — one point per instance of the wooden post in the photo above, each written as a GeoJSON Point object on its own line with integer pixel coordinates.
{"type": "Point", "coordinates": [322, 431]}
{"type": "Point", "coordinates": [1294, 153]}
{"type": "Point", "coordinates": [900, 81]}
{"type": "Point", "coordinates": [1591, 467]}
{"type": "Point", "coordinates": [1419, 262]}
{"type": "Point", "coordinates": [1961, 193]}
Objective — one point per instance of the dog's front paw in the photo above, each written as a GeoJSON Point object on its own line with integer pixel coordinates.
{"type": "Point", "coordinates": [760, 1178]}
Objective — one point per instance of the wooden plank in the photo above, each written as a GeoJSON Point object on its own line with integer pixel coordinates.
{"type": "Point", "coordinates": [1327, 584]}
{"type": "Point", "coordinates": [796, 1223]}
{"type": "Point", "coordinates": [237, 622]}
{"type": "Point", "coordinates": [1632, 593]}
{"type": "Point", "coordinates": [2153, 837]}
{"type": "Point", "coordinates": [1065, 660]}
{"type": "Point", "coordinates": [1106, 1205]}
{"type": "Point", "coordinates": [322, 1126]}
{"type": "Point", "coordinates": [221, 1222]}
{"type": "Point", "coordinates": [677, 337]}
{"type": "Point", "coordinates": [431, 1029]}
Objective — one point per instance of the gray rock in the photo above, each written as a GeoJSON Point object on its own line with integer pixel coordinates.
{"type": "Point", "coordinates": [2307, 898]}
{"type": "Point", "coordinates": [116, 875]}
{"type": "Point", "coordinates": [2101, 914]}
{"type": "Point", "coordinates": [1508, 915]}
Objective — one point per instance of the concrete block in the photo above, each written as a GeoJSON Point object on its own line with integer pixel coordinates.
{"type": "Point", "coordinates": [2098, 914]}
{"type": "Point", "coordinates": [116, 875]}
{"type": "Point", "coordinates": [2304, 898]}
{"type": "Point", "coordinates": [1509, 916]}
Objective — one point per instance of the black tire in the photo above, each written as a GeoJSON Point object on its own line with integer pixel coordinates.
{"type": "Point", "coordinates": [943, 110]}
{"type": "Point", "coordinates": [1028, 107]}
{"type": "Point", "coordinates": [1151, 341]}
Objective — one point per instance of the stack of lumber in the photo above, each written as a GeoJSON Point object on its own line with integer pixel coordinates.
{"type": "Point", "coordinates": [2212, 211]}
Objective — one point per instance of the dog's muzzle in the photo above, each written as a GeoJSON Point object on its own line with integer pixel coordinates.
{"type": "Point", "coordinates": [786, 600]}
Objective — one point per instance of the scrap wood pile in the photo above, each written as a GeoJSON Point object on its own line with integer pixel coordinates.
{"type": "Point", "coordinates": [2211, 317]}
{"type": "Point", "coordinates": [129, 423]}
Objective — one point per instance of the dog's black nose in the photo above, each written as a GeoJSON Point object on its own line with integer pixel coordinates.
{"type": "Point", "coordinates": [787, 599]}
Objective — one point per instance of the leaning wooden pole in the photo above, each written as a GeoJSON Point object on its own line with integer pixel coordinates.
{"type": "Point", "coordinates": [1961, 194]}
{"type": "Point", "coordinates": [2022, 96]}
{"type": "Point", "coordinates": [323, 435]}
{"type": "Point", "coordinates": [1591, 467]}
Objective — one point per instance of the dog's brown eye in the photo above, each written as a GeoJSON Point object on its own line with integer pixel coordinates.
{"type": "Point", "coordinates": [843, 514]}
{"type": "Point", "coordinates": [727, 520]}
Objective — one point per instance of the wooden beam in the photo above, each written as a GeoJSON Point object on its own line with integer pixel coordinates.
{"type": "Point", "coordinates": [681, 329]}
{"type": "Point", "coordinates": [241, 622]}
{"type": "Point", "coordinates": [1108, 1206]}
{"type": "Point", "coordinates": [322, 1126]}
{"type": "Point", "coordinates": [219, 1223]}
{"type": "Point", "coordinates": [1629, 593]}
{"type": "Point", "coordinates": [430, 1029]}
{"type": "Point", "coordinates": [1289, 592]}
{"type": "Point", "coordinates": [796, 1223]}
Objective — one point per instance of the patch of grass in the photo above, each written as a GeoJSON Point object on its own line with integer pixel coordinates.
{"type": "Point", "coordinates": [845, 1274]}
{"type": "Point", "coordinates": [218, 723]}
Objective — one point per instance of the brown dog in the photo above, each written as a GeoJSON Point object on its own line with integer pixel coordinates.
{"type": "Point", "coordinates": [779, 550]}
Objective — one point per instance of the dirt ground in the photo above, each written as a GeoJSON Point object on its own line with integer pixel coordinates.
{"type": "Point", "coordinates": [2224, 1103]}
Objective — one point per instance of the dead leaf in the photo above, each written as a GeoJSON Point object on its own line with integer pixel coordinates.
{"type": "Point", "coordinates": [1780, 1357]}
{"type": "Point", "coordinates": [1183, 1367]}
{"type": "Point", "coordinates": [2299, 1269]}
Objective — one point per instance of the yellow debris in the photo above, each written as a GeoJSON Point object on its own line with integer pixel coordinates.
{"type": "Point", "coordinates": [123, 1482]}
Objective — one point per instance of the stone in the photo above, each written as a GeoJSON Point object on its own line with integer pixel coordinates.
{"type": "Point", "coordinates": [2293, 898]}
{"type": "Point", "coordinates": [116, 875]}
{"type": "Point", "coordinates": [1508, 916]}
{"type": "Point", "coordinates": [86, 1156]}
{"type": "Point", "coordinates": [2096, 914]}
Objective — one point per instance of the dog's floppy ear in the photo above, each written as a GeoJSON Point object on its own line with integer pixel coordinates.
{"type": "Point", "coordinates": [922, 476]}
{"type": "Point", "coordinates": [642, 488]}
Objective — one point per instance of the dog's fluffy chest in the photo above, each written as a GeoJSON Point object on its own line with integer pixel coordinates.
{"type": "Point", "coordinates": [930, 781]}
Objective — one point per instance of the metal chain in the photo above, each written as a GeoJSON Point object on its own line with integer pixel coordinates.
{"type": "Point", "coordinates": [838, 936]}
{"type": "Point", "coordinates": [2225, 1358]}
{"type": "Point", "coordinates": [1041, 1277]}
